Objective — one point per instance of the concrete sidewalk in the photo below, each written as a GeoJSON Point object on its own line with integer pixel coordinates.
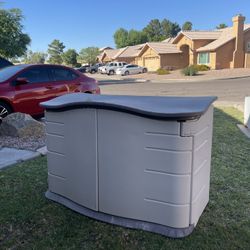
{"type": "Point", "coordinates": [11, 156]}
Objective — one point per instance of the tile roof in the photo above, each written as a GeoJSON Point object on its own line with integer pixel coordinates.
{"type": "Point", "coordinates": [164, 48]}
{"type": "Point", "coordinates": [103, 48]}
{"type": "Point", "coordinates": [113, 53]}
{"type": "Point", "coordinates": [226, 36]}
{"type": "Point", "coordinates": [132, 51]}
{"type": "Point", "coordinates": [199, 35]}
{"type": "Point", "coordinates": [169, 40]}
{"type": "Point", "coordinates": [100, 56]}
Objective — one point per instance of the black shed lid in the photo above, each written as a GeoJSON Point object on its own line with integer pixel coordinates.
{"type": "Point", "coordinates": [154, 107]}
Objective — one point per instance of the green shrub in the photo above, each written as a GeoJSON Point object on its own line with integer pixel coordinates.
{"type": "Point", "coordinates": [190, 71]}
{"type": "Point", "coordinates": [202, 67]}
{"type": "Point", "coordinates": [161, 71]}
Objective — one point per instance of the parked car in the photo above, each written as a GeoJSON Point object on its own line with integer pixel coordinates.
{"type": "Point", "coordinates": [102, 69]}
{"type": "Point", "coordinates": [23, 87]}
{"type": "Point", "coordinates": [94, 68]}
{"type": "Point", "coordinates": [111, 67]}
{"type": "Point", "coordinates": [83, 69]}
{"type": "Point", "coordinates": [4, 63]}
{"type": "Point", "coordinates": [130, 69]}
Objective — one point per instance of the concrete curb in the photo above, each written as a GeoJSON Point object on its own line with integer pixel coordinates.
{"type": "Point", "coordinates": [232, 78]}
{"type": "Point", "coordinates": [197, 80]}
{"type": "Point", "coordinates": [244, 130]}
{"type": "Point", "coordinates": [19, 160]}
{"type": "Point", "coordinates": [33, 154]}
{"type": "Point", "coordinates": [42, 151]}
{"type": "Point", "coordinates": [142, 80]}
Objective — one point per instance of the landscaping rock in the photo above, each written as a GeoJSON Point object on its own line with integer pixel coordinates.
{"type": "Point", "coordinates": [21, 125]}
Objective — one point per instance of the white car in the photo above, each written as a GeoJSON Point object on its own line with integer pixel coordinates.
{"type": "Point", "coordinates": [111, 67]}
{"type": "Point", "coordinates": [130, 69]}
{"type": "Point", "coordinates": [102, 69]}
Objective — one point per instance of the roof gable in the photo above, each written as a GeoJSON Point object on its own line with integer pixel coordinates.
{"type": "Point", "coordinates": [161, 48]}
{"type": "Point", "coordinates": [112, 53]}
{"type": "Point", "coordinates": [132, 51]}
{"type": "Point", "coordinates": [226, 36]}
{"type": "Point", "coordinates": [198, 35]}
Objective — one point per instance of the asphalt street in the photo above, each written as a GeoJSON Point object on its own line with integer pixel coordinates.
{"type": "Point", "coordinates": [229, 92]}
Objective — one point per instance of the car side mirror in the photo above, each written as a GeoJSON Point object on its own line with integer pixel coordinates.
{"type": "Point", "coordinates": [21, 80]}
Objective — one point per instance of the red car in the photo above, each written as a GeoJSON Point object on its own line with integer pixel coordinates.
{"type": "Point", "coordinates": [24, 87]}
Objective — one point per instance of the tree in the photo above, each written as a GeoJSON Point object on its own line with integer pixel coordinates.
{"type": "Point", "coordinates": [169, 29]}
{"type": "Point", "coordinates": [70, 57]}
{"type": "Point", "coordinates": [221, 26]}
{"type": "Point", "coordinates": [13, 42]}
{"type": "Point", "coordinates": [136, 37]}
{"type": "Point", "coordinates": [187, 26]}
{"type": "Point", "coordinates": [34, 57]}
{"type": "Point", "coordinates": [88, 55]}
{"type": "Point", "coordinates": [55, 52]}
{"type": "Point", "coordinates": [121, 38]}
{"type": "Point", "coordinates": [153, 31]}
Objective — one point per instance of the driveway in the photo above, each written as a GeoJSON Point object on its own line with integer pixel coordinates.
{"type": "Point", "coordinates": [229, 92]}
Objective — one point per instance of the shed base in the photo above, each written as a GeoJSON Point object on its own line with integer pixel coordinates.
{"type": "Point", "coordinates": [120, 221]}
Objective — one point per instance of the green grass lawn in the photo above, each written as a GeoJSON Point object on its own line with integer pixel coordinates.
{"type": "Point", "coordinates": [29, 221]}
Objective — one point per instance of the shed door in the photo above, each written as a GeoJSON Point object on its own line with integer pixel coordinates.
{"type": "Point", "coordinates": [152, 63]}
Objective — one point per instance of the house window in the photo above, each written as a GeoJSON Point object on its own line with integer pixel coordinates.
{"type": "Point", "coordinates": [203, 58]}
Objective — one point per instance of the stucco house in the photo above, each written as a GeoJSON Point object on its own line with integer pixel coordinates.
{"type": "Point", "coordinates": [127, 54]}
{"type": "Point", "coordinates": [160, 54]}
{"type": "Point", "coordinates": [223, 48]}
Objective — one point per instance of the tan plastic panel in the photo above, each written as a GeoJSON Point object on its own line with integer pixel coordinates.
{"type": "Point", "coordinates": [201, 131]}
{"type": "Point", "coordinates": [73, 155]}
{"type": "Point", "coordinates": [129, 166]}
{"type": "Point", "coordinates": [132, 187]}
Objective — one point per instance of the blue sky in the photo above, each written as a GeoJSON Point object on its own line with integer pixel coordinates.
{"type": "Point", "coordinates": [79, 24]}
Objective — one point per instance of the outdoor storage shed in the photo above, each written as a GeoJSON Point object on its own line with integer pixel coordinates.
{"type": "Point", "coordinates": [140, 162]}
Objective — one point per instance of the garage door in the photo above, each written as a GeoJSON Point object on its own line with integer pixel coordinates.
{"type": "Point", "coordinates": [152, 63]}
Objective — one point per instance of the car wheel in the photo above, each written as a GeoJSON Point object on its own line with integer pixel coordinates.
{"type": "Point", "coordinates": [5, 110]}
{"type": "Point", "coordinates": [111, 72]}
{"type": "Point", "coordinates": [144, 70]}
{"type": "Point", "coordinates": [126, 73]}
{"type": "Point", "coordinates": [92, 71]}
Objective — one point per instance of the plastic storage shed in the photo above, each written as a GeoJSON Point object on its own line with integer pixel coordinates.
{"type": "Point", "coordinates": [139, 162]}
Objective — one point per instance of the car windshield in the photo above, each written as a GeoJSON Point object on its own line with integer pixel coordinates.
{"type": "Point", "coordinates": [8, 72]}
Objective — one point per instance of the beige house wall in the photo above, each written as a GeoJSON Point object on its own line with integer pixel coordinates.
{"type": "Point", "coordinates": [213, 59]}
{"type": "Point", "coordinates": [129, 60]}
{"type": "Point", "coordinates": [149, 59]}
{"type": "Point", "coordinates": [224, 55]}
{"type": "Point", "coordinates": [193, 46]}
{"type": "Point", "coordinates": [106, 59]}
{"type": "Point", "coordinates": [175, 61]}
{"type": "Point", "coordinates": [139, 61]}
{"type": "Point", "coordinates": [186, 41]}
{"type": "Point", "coordinates": [196, 45]}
